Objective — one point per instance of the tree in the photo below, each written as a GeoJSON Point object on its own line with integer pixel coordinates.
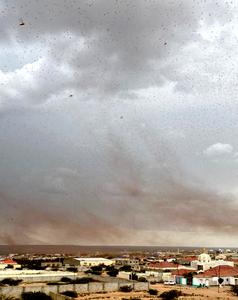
{"type": "Point", "coordinates": [126, 268]}
{"type": "Point", "coordinates": [112, 273]}
{"type": "Point", "coordinates": [66, 279]}
{"type": "Point", "coordinates": [109, 268]}
{"type": "Point", "coordinates": [72, 269]}
{"type": "Point", "coordinates": [96, 270]}
{"type": "Point", "coordinates": [35, 296]}
{"type": "Point", "coordinates": [11, 281]}
{"type": "Point", "coordinates": [142, 279]}
{"type": "Point", "coordinates": [133, 276]}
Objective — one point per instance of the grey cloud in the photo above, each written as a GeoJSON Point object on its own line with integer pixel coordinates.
{"type": "Point", "coordinates": [124, 47]}
{"type": "Point", "coordinates": [119, 155]}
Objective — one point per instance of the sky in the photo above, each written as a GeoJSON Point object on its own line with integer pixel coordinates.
{"type": "Point", "coordinates": [118, 122]}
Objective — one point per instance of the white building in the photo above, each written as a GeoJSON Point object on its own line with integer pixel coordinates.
{"type": "Point", "coordinates": [205, 262]}
{"type": "Point", "coordinates": [227, 273]}
{"type": "Point", "coordinates": [93, 261]}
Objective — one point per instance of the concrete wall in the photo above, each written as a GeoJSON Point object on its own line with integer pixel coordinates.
{"type": "Point", "coordinates": [35, 275]}
{"type": "Point", "coordinates": [59, 297]}
{"type": "Point", "coordinates": [91, 287]}
{"type": "Point", "coordinates": [141, 286]}
{"type": "Point", "coordinates": [111, 286]}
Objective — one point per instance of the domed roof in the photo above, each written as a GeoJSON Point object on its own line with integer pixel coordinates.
{"type": "Point", "coordinates": [204, 257]}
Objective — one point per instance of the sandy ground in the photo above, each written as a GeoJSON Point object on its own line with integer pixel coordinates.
{"type": "Point", "coordinates": [191, 292]}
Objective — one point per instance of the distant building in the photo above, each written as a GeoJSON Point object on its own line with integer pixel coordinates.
{"type": "Point", "coordinates": [92, 261]}
{"type": "Point", "coordinates": [51, 264]}
{"type": "Point", "coordinates": [9, 263]}
{"type": "Point", "coordinates": [122, 261]}
{"type": "Point", "coordinates": [227, 273]}
{"type": "Point", "coordinates": [209, 277]}
{"type": "Point", "coordinates": [205, 262]}
{"type": "Point", "coordinates": [164, 265]}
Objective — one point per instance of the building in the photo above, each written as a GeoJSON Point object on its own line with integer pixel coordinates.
{"type": "Point", "coordinates": [9, 263]}
{"type": "Point", "coordinates": [93, 261]}
{"type": "Point", "coordinates": [164, 265]}
{"type": "Point", "coordinates": [210, 277]}
{"type": "Point", "coordinates": [51, 264]}
{"type": "Point", "coordinates": [122, 261]}
{"type": "Point", "coordinates": [204, 262]}
{"type": "Point", "coordinates": [183, 276]}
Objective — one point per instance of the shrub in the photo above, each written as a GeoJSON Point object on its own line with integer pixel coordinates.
{"type": "Point", "coordinates": [112, 273]}
{"type": "Point", "coordinates": [109, 268]}
{"type": "Point", "coordinates": [11, 281]}
{"type": "Point", "coordinates": [96, 270]}
{"type": "Point", "coordinates": [72, 269]}
{"type": "Point", "coordinates": [83, 280]}
{"type": "Point", "coordinates": [66, 279]}
{"type": "Point", "coordinates": [170, 295]}
{"type": "Point", "coordinates": [153, 292]}
{"type": "Point", "coordinates": [133, 276]}
{"type": "Point", "coordinates": [142, 279]}
{"type": "Point", "coordinates": [72, 294]}
{"type": "Point", "coordinates": [126, 268]}
{"type": "Point", "coordinates": [10, 266]}
{"type": "Point", "coordinates": [53, 283]}
{"type": "Point", "coordinates": [234, 289]}
{"type": "Point", "coordinates": [35, 296]}
{"type": "Point", "coordinates": [126, 289]}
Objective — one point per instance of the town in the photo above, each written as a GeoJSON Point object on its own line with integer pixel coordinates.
{"type": "Point", "coordinates": [186, 273]}
{"type": "Point", "coordinates": [118, 149]}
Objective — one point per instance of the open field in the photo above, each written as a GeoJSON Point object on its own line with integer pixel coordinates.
{"type": "Point", "coordinates": [191, 294]}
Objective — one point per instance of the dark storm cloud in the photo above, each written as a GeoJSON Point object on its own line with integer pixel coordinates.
{"type": "Point", "coordinates": [109, 47]}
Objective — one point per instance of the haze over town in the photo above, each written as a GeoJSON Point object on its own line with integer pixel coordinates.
{"type": "Point", "coordinates": [118, 122]}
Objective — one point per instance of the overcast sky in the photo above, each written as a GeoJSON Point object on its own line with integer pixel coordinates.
{"type": "Point", "coordinates": [118, 122]}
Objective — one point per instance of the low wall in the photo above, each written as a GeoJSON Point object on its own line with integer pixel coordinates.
{"type": "Point", "coordinates": [59, 297]}
{"type": "Point", "coordinates": [38, 277]}
{"type": "Point", "coordinates": [91, 287]}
